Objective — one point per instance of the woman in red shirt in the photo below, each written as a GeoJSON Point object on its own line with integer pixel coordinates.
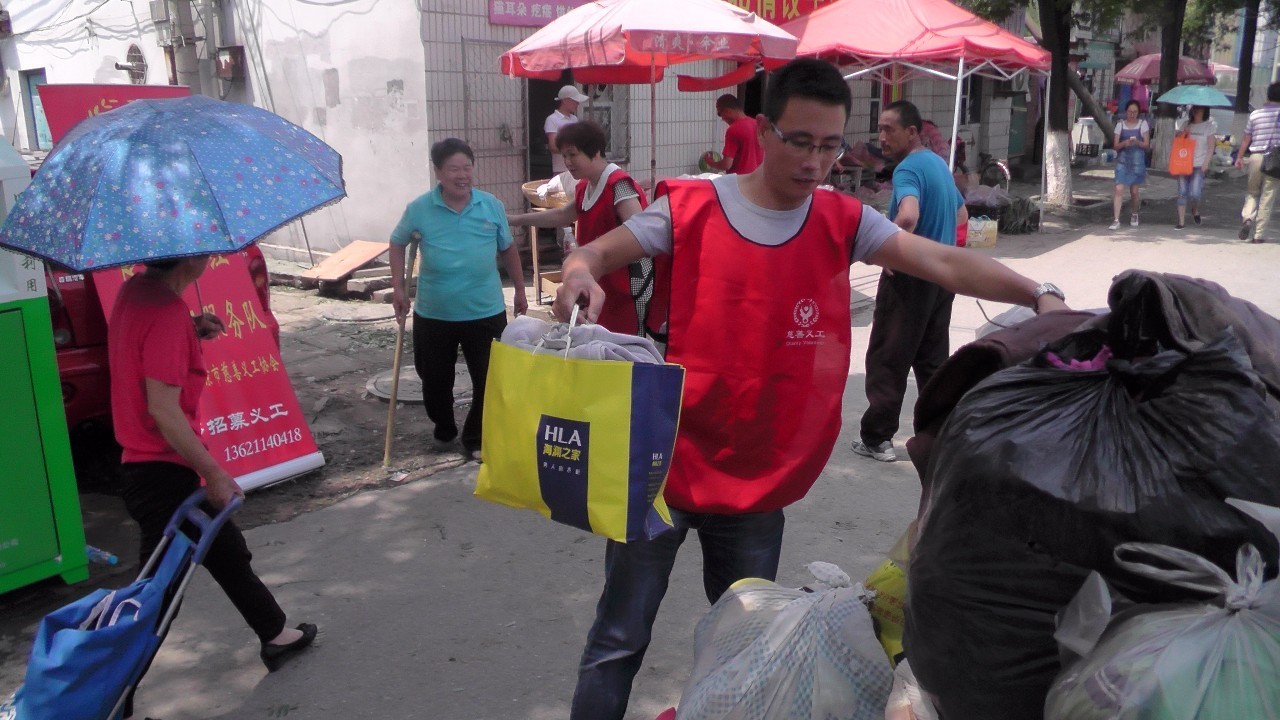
{"type": "Point", "coordinates": [157, 376]}
{"type": "Point", "coordinates": [604, 198]}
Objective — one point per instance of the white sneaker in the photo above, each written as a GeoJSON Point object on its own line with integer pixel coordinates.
{"type": "Point", "coordinates": [1133, 220]}
{"type": "Point", "coordinates": [882, 452]}
{"type": "Point", "coordinates": [1114, 226]}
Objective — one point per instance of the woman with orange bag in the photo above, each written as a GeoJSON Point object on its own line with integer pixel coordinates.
{"type": "Point", "coordinates": [1200, 128]}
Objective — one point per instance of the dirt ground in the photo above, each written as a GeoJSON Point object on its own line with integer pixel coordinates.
{"type": "Point", "coordinates": [330, 362]}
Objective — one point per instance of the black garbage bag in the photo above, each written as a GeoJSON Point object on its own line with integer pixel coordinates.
{"type": "Point", "coordinates": [1162, 311]}
{"type": "Point", "coordinates": [1041, 472]}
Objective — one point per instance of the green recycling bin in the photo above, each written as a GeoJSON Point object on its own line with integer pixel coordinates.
{"type": "Point", "coordinates": [41, 529]}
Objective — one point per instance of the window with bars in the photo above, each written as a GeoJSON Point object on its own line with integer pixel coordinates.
{"type": "Point", "coordinates": [971, 100]}
{"type": "Point", "coordinates": [875, 106]}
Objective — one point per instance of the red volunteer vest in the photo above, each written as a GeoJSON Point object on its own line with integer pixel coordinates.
{"type": "Point", "coordinates": [619, 311]}
{"type": "Point", "coordinates": [763, 333]}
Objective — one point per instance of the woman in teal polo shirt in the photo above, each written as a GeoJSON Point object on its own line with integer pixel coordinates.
{"type": "Point", "coordinates": [459, 301]}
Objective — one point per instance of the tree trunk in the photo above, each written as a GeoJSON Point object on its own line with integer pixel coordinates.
{"type": "Point", "coordinates": [1099, 113]}
{"type": "Point", "coordinates": [1174, 12]}
{"type": "Point", "coordinates": [1055, 26]}
{"type": "Point", "coordinates": [1244, 80]}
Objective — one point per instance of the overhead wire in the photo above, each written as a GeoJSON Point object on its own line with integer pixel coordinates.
{"type": "Point", "coordinates": [59, 24]}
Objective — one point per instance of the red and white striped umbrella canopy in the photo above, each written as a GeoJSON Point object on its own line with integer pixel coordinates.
{"type": "Point", "coordinates": [625, 40]}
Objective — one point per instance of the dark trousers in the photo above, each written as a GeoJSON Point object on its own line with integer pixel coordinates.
{"type": "Point", "coordinates": [910, 330]}
{"type": "Point", "coordinates": [152, 492]}
{"type": "Point", "coordinates": [636, 576]}
{"type": "Point", "coordinates": [435, 355]}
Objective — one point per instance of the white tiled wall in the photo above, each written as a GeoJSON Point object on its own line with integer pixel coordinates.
{"type": "Point", "coordinates": [865, 112]}
{"type": "Point", "coordinates": [498, 117]}
{"type": "Point", "coordinates": [687, 124]}
{"type": "Point", "coordinates": [936, 100]}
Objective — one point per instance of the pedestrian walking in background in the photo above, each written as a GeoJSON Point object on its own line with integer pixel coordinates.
{"type": "Point", "coordinates": [157, 377]}
{"type": "Point", "coordinates": [565, 114]}
{"type": "Point", "coordinates": [759, 317]}
{"type": "Point", "coordinates": [603, 199]}
{"type": "Point", "coordinates": [1132, 138]}
{"type": "Point", "coordinates": [1261, 133]}
{"type": "Point", "coordinates": [911, 327]}
{"type": "Point", "coordinates": [1200, 128]}
{"type": "Point", "coordinates": [741, 141]}
{"type": "Point", "coordinates": [462, 232]}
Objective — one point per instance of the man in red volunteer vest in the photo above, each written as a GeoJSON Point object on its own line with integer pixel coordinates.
{"type": "Point", "coordinates": [604, 198]}
{"type": "Point", "coordinates": [759, 317]}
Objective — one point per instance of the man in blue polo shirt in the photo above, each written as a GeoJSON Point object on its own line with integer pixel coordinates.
{"type": "Point", "coordinates": [911, 326]}
{"type": "Point", "coordinates": [461, 230]}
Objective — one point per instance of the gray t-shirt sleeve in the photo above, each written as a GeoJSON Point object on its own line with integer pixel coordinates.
{"type": "Point", "coordinates": [873, 230]}
{"type": "Point", "coordinates": [652, 227]}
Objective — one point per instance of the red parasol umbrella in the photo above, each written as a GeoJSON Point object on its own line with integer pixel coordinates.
{"type": "Point", "coordinates": [1146, 69]}
{"type": "Point", "coordinates": [633, 41]}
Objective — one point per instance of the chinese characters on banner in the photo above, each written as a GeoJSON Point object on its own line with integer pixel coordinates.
{"type": "Point", "coordinates": [536, 13]}
{"type": "Point", "coordinates": [250, 418]}
{"type": "Point", "coordinates": [780, 11]}
{"type": "Point", "coordinates": [66, 105]}
{"type": "Point", "coordinates": [529, 13]}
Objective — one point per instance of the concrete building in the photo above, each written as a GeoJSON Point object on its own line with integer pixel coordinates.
{"type": "Point", "coordinates": [378, 80]}
{"type": "Point", "coordinates": [382, 80]}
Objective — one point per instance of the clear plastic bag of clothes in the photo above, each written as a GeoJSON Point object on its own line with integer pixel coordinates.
{"type": "Point", "coordinates": [765, 652]}
{"type": "Point", "coordinates": [1185, 661]}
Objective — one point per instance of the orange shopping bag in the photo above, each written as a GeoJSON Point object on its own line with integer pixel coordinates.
{"type": "Point", "coordinates": [1182, 156]}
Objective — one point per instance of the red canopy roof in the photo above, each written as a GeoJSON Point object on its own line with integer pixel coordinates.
{"type": "Point", "coordinates": [923, 32]}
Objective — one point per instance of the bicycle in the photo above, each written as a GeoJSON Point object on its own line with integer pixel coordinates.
{"type": "Point", "coordinates": [993, 172]}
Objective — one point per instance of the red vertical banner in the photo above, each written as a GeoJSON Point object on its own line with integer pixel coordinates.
{"type": "Point", "coordinates": [250, 418]}
{"type": "Point", "coordinates": [66, 105]}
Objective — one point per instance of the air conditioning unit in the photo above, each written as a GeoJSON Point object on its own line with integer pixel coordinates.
{"type": "Point", "coordinates": [1021, 83]}
{"type": "Point", "coordinates": [159, 11]}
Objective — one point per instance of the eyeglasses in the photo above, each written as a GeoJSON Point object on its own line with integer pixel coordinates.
{"type": "Point", "coordinates": [804, 148]}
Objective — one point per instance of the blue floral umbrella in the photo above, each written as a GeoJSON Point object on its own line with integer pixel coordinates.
{"type": "Point", "coordinates": [170, 178]}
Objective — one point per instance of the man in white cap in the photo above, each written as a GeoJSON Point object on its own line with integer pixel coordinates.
{"type": "Point", "coordinates": [567, 101]}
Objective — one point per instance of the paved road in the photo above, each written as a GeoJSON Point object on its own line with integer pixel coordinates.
{"type": "Point", "coordinates": [434, 604]}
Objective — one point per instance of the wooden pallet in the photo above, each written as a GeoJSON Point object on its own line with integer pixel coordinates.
{"type": "Point", "coordinates": [340, 265]}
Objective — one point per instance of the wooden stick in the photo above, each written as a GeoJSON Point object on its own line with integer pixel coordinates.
{"type": "Point", "coordinates": [395, 390]}
{"type": "Point", "coordinates": [395, 365]}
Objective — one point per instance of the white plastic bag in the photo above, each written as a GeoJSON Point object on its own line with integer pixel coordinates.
{"type": "Point", "coordinates": [982, 232]}
{"type": "Point", "coordinates": [765, 652]}
{"type": "Point", "coordinates": [1184, 661]}
{"type": "Point", "coordinates": [908, 701]}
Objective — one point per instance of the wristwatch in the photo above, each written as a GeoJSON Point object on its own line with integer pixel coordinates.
{"type": "Point", "coordinates": [1048, 289]}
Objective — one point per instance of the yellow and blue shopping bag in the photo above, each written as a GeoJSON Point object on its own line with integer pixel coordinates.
{"type": "Point", "coordinates": [587, 443]}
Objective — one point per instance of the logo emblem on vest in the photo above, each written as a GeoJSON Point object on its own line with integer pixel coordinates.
{"type": "Point", "coordinates": [805, 313]}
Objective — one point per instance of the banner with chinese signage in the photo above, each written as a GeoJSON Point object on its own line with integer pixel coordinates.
{"type": "Point", "coordinates": [780, 11]}
{"type": "Point", "coordinates": [66, 105]}
{"type": "Point", "coordinates": [536, 13]}
{"type": "Point", "coordinates": [250, 417]}
{"type": "Point", "coordinates": [529, 13]}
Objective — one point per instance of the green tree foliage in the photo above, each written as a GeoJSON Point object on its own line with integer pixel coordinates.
{"type": "Point", "coordinates": [1056, 18]}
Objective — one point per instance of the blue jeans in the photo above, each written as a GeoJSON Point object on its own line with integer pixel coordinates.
{"type": "Point", "coordinates": [1190, 187]}
{"type": "Point", "coordinates": [636, 576]}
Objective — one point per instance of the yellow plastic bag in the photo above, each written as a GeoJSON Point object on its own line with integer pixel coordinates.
{"type": "Point", "coordinates": [889, 582]}
{"type": "Point", "coordinates": [586, 443]}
